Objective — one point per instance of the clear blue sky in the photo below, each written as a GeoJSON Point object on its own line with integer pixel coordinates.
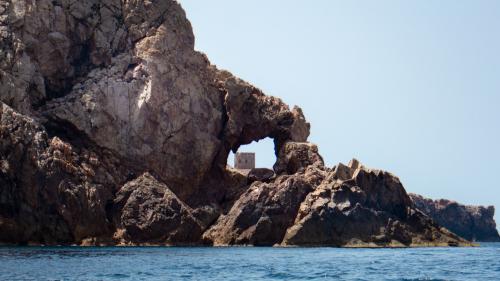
{"type": "Point", "coordinates": [412, 87]}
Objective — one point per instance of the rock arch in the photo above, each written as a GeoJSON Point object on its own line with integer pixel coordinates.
{"type": "Point", "coordinates": [253, 116]}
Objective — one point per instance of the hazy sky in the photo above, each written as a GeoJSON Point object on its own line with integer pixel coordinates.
{"type": "Point", "coordinates": [412, 87]}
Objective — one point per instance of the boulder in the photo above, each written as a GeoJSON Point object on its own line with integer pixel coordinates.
{"type": "Point", "coordinates": [148, 212]}
{"type": "Point", "coordinates": [260, 174]}
{"type": "Point", "coordinates": [349, 206]}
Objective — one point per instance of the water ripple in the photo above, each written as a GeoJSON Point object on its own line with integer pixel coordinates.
{"type": "Point", "coordinates": [157, 263]}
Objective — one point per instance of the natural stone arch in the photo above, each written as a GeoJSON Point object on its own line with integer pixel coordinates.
{"type": "Point", "coordinates": [253, 116]}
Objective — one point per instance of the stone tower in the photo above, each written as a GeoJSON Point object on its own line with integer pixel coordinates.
{"type": "Point", "coordinates": [244, 160]}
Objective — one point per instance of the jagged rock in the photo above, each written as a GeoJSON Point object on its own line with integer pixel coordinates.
{"type": "Point", "coordinates": [254, 116]}
{"type": "Point", "coordinates": [262, 214]}
{"type": "Point", "coordinates": [150, 101]}
{"type": "Point", "coordinates": [49, 45]}
{"type": "Point", "coordinates": [95, 93]}
{"type": "Point", "coordinates": [349, 206]}
{"type": "Point", "coordinates": [475, 223]}
{"type": "Point", "coordinates": [356, 206]}
{"type": "Point", "coordinates": [294, 156]}
{"type": "Point", "coordinates": [50, 191]}
{"type": "Point", "coordinates": [148, 212]}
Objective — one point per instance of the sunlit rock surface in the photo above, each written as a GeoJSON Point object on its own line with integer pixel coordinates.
{"type": "Point", "coordinates": [114, 130]}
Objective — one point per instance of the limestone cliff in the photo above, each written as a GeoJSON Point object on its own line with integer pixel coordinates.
{"type": "Point", "coordinates": [475, 223]}
{"type": "Point", "coordinates": [114, 130]}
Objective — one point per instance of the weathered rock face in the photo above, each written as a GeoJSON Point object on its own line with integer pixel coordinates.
{"type": "Point", "coordinates": [262, 214]}
{"type": "Point", "coordinates": [46, 46]}
{"type": "Point", "coordinates": [50, 191]}
{"type": "Point", "coordinates": [114, 130]}
{"type": "Point", "coordinates": [348, 206]}
{"type": "Point", "coordinates": [296, 156]}
{"type": "Point", "coordinates": [475, 223]}
{"type": "Point", "coordinates": [148, 212]}
{"type": "Point", "coordinates": [118, 88]}
{"type": "Point", "coordinates": [356, 206]}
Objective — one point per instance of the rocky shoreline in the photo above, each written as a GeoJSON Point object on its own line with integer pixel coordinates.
{"type": "Point", "coordinates": [474, 223]}
{"type": "Point", "coordinates": [115, 131]}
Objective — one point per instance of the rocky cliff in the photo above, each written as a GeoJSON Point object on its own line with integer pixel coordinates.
{"type": "Point", "coordinates": [475, 223]}
{"type": "Point", "coordinates": [114, 130]}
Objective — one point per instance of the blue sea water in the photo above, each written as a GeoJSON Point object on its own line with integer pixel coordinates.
{"type": "Point", "coordinates": [249, 263]}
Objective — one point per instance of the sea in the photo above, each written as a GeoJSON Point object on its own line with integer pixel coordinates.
{"type": "Point", "coordinates": [249, 263]}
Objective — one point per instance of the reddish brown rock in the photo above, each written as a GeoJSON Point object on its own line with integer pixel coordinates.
{"type": "Point", "coordinates": [355, 206]}
{"type": "Point", "coordinates": [475, 223]}
{"type": "Point", "coordinates": [263, 213]}
{"type": "Point", "coordinates": [147, 212]}
{"type": "Point", "coordinates": [50, 191]}
{"type": "Point", "coordinates": [350, 206]}
{"type": "Point", "coordinates": [95, 93]}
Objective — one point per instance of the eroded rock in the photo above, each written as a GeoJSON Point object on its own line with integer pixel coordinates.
{"type": "Point", "coordinates": [95, 93]}
{"type": "Point", "coordinates": [51, 192]}
{"type": "Point", "coordinates": [296, 156]}
{"type": "Point", "coordinates": [49, 45]}
{"type": "Point", "coordinates": [475, 223]}
{"type": "Point", "coordinates": [148, 213]}
{"type": "Point", "coordinates": [356, 206]}
{"type": "Point", "coordinates": [262, 214]}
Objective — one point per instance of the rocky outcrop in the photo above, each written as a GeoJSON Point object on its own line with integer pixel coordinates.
{"type": "Point", "coordinates": [349, 206]}
{"type": "Point", "coordinates": [148, 212]}
{"type": "Point", "coordinates": [114, 130]}
{"type": "Point", "coordinates": [355, 206]}
{"type": "Point", "coordinates": [51, 191]}
{"type": "Point", "coordinates": [475, 223]}
{"type": "Point", "coordinates": [264, 211]}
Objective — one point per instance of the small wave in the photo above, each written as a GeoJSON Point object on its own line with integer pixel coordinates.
{"type": "Point", "coordinates": [420, 279]}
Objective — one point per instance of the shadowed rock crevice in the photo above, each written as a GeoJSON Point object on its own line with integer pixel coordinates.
{"type": "Point", "coordinates": [67, 132]}
{"type": "Point", "coordinates": [59, 43]}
